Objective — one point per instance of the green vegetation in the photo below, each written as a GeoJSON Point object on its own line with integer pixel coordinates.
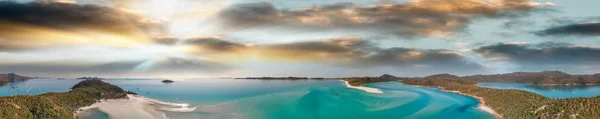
{"type": "Point", "coordinates": [542, 78]}
{"type": "Point", "coordinates": [516, 104]}
{"type": "Point", "coordinates": [58, 105]}
{"type": "Point", "coordinates": [357, 81]}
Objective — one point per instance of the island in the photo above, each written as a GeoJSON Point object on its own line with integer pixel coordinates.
{"type": "Point", "coordinates": [59, 105]}
{"type": "Point", "coordinates": [512, 103]}
{"type": "Point", "coordinates": [88, 78]}
{"type": "Point", "coordinates": [11, 78]}
{"type": "Point", "coordinates": [508, 103]}
{"type": "Point", "coordinates": [167, 81]}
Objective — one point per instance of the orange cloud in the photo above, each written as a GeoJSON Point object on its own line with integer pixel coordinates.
{"type": "Point", "coordinates": [412, 19]}
{"type": "Point", "coordinates": [30, 25]}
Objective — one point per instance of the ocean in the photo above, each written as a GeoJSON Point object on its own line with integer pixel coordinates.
{"type": "Point", "coordinates": [280, 99]}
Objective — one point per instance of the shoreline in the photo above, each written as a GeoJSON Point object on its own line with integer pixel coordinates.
{"type": "Point", "coordinates": [134, 107]}
{"type": "Point", "coordinates": [366, 89]}
{"type": "Point", "coordinates": [481, 104]}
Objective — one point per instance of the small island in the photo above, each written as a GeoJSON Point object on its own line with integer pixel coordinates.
{"type": "Point", "coordinates": [167, 81]}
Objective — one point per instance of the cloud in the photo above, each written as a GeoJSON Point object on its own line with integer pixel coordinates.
{"type": "Point", "coordinates": [412, 19]}
{"type": "Point", "coordinates": [518, 24]}
{"type": "Point", "coordinates": [213, 44]}
{"type": "Point", "coordinates": [338, 50]}
{"type": "Point", "coordinates": [173, 67]}
{"type": "Point", "coordinates": [348, 52]}
{"type": "Point", "coordinates": [543, 56]}
{"type": "Point", "coordinates": [64, 23]}
{"type": "Point", "coordinates": [580, 29]}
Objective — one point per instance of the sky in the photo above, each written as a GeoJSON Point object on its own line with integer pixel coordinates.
{"type": "Point", "coordinates": [311, 38]}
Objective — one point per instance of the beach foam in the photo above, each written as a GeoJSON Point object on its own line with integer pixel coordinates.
{"type": "Point", "coordinates": [367, 89]}
{"type": "Point", "coordinates": [181, 109]}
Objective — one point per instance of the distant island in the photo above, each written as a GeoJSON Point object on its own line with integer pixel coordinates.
{"type": "Point", "coordinates": [540, 78]}
{"type": "Point", "coordinates": [58, 105]}
{"type": "Point", "coordinates": [11, 78]}
{"type": "Point", "coordinates": [283, 78]}
{"type": "Point", "coordinates": [167, 81]}
{"type": "Point", "coordinates": [88, 78]}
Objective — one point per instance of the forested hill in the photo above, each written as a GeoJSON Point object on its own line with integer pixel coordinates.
{"type": "Point", "coordinates": [58, 105]}
{"type": "Point", "coordinates": [11, 77]}
{"type": "Point", "coordinates": [516, 104]}
{"type": "Point", "coordinates": [544, 77]}
{"type": "Point", "coordinates": [357, 81]}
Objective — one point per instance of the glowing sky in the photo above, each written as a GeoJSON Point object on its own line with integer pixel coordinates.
{"type": "Point", "coordinates": [314, 38]}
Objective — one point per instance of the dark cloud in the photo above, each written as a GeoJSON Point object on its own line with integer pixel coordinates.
{"type": "Point", "coordinates": [347, 52]}
{"type": "Point", "coordinates": [544, 56]}
{"type": "Point", "coordinates": [353, 52]}
{"type": "Point", "coordinates": [332, 50]}
{"type": "Point", "coordinates": [411, 19]}
{"type": "Point", "coordinates": [163, 67]}
{"type": "Point", "coordinates": [424, 60]}
{"type": "Point", "coordinates": [166, 40]}
{"type": "Point", "coordinates": [71, 16]}
{"type": "Point", "coordinates": [581, 29]}
{"type": "Point", "coordinates": [62, 23]}
{"type": "Point", "coordinates": [213, 44]}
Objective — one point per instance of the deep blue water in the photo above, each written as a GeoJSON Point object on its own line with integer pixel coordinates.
{"type": "Point", "coordinates": [554, 91]}
{"type": "Point", "coordinates": [282, 99]}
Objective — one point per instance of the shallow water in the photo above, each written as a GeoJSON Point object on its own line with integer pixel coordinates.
{"type": "Point", "coordinates": [554, 91]}
{"type": "Point", "coordinates": [93, 114]}
{"type": "Point", "coordinates": [283, 99]}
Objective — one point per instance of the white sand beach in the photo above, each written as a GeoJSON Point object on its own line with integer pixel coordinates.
{"type": "Point", "coordinates": [367, 89]}
{"type": "Point", "coordinates": [136, 107]}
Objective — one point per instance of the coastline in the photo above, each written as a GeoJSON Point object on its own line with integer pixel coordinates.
{"type": "Point", "coordinates": [481, 105]}
{"type": "Point", "coordinates": [134, 107]}
{"type": "Point", "coordinates": [367, 89]}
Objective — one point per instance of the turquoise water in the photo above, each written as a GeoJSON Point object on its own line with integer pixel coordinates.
{"type": "Point", "coordinates": [93, 114]}
{"type": "Point", "coordinates": [283, 99]}
{"type": "Point", "coordinates": [555, 91]}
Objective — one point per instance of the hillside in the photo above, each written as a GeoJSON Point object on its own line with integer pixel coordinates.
{"type": "Point", "coordinates": [58, 105]}
{"type": "Point", "coordinates": [357, 81]}
{"type": "Point", "coordinates": [544, 78]}
{"type": "Point", "coordinates": [516, 104]}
